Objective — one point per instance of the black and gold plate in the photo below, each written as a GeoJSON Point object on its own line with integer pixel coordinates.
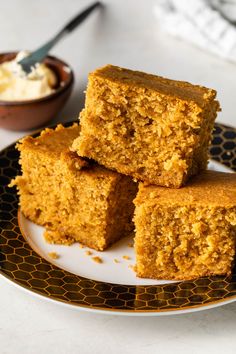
{"type": "Point", "coordinates": [23, 266]}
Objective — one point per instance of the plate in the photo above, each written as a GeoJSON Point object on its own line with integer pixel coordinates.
{"type": "Point", "coordinates": [75, 280]}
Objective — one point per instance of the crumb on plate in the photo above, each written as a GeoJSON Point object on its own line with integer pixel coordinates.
{"type": "Point", "coordinates": [88, 253]}
{"type": "Point", "coordinates": [132, 267]}
{"type": "Point", "coordinates": [97, 259]}
{"type": "Point", "coordinates": [126, 257]}
{"type": "Point", "coordinates": [53, 255]}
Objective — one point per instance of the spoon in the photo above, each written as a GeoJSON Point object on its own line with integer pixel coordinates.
{"type": "Point", "coordinates": [39, 54]}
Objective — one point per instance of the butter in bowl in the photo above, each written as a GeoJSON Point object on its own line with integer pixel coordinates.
{"type": "Point", "coordinates": [35, 86]}
{"type": "Point", "coordinates": [31, 100]}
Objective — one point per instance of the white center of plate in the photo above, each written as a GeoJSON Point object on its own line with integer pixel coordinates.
{"type": "Point", "coordinates": [74, 259]}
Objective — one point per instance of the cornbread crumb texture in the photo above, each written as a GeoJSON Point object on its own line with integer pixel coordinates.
{"type": "Point", "coordinates": [56, 237]}
{"type": "Point", "coordinates": [74, 199]}
{"type": "Point", "coordinates": [189, 232]}
{"type": "Point", "coordinates": [153, 129]}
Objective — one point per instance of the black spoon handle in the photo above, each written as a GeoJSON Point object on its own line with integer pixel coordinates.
{"type": "Point", "coordinates": [38, 55]}
{"type": "Point", "coordinates": [80, 17]}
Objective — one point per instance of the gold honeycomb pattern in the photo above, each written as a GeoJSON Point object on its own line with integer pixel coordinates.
{"type": "Point", "coordinates": [223, 147]}
{"type": "Point", "coordinates": [22, 265]}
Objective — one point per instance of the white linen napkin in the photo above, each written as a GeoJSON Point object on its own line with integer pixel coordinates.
{"type": "Point", "coordinates": [205, 23]}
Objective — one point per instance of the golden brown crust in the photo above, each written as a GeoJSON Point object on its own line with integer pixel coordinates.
{"type": "Point", "coordinates": [51, 141]}
{"type": "Point", "coordinates": [208, 188]}
{"type": "Point", "coordinates": [179, 89]}
{"type": "Point", "coordinates": [173, 276]}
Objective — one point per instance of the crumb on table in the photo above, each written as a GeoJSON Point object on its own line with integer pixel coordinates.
{"type": "Point", "coordinates": [116, 260]}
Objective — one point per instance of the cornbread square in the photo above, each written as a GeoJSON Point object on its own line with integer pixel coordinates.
{"type": "Point", "coordinates": [74, 199]}
{"type": "Point", "coordinates": [154, 129]}
{"type": "Point", "coordinates": [189, 232]}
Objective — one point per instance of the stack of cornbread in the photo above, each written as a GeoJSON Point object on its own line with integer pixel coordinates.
{"type": "Point", "coordinates": [137, 131]}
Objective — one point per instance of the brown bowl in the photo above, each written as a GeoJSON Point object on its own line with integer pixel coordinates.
{"type": "Point", "coordinates": [28, 114]}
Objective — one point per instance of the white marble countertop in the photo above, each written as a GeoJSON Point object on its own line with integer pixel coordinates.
{"type": "Point", "coordinates": [125, 34]}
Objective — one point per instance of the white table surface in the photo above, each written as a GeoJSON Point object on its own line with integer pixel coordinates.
{"type": "Point", "coordinates": [125, 34]}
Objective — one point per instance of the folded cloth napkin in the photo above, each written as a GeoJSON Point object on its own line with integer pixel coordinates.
{"type": "Point", "coordinates": [209, 24]}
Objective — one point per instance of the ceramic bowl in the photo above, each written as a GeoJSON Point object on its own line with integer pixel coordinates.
{"type": "Point", "coordinates": [33, 113]}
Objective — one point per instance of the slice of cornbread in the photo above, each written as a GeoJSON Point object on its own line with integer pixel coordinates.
{"type": "Point", "coordinates": [154, 129]}
{"type": "Point", "coordinates": [188, 232]}
{"type": "Point", "coordinates": [74, 199]}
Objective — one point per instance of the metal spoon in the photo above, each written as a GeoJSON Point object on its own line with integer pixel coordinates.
{"type": "Point", "coordinates": [39, 54]}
